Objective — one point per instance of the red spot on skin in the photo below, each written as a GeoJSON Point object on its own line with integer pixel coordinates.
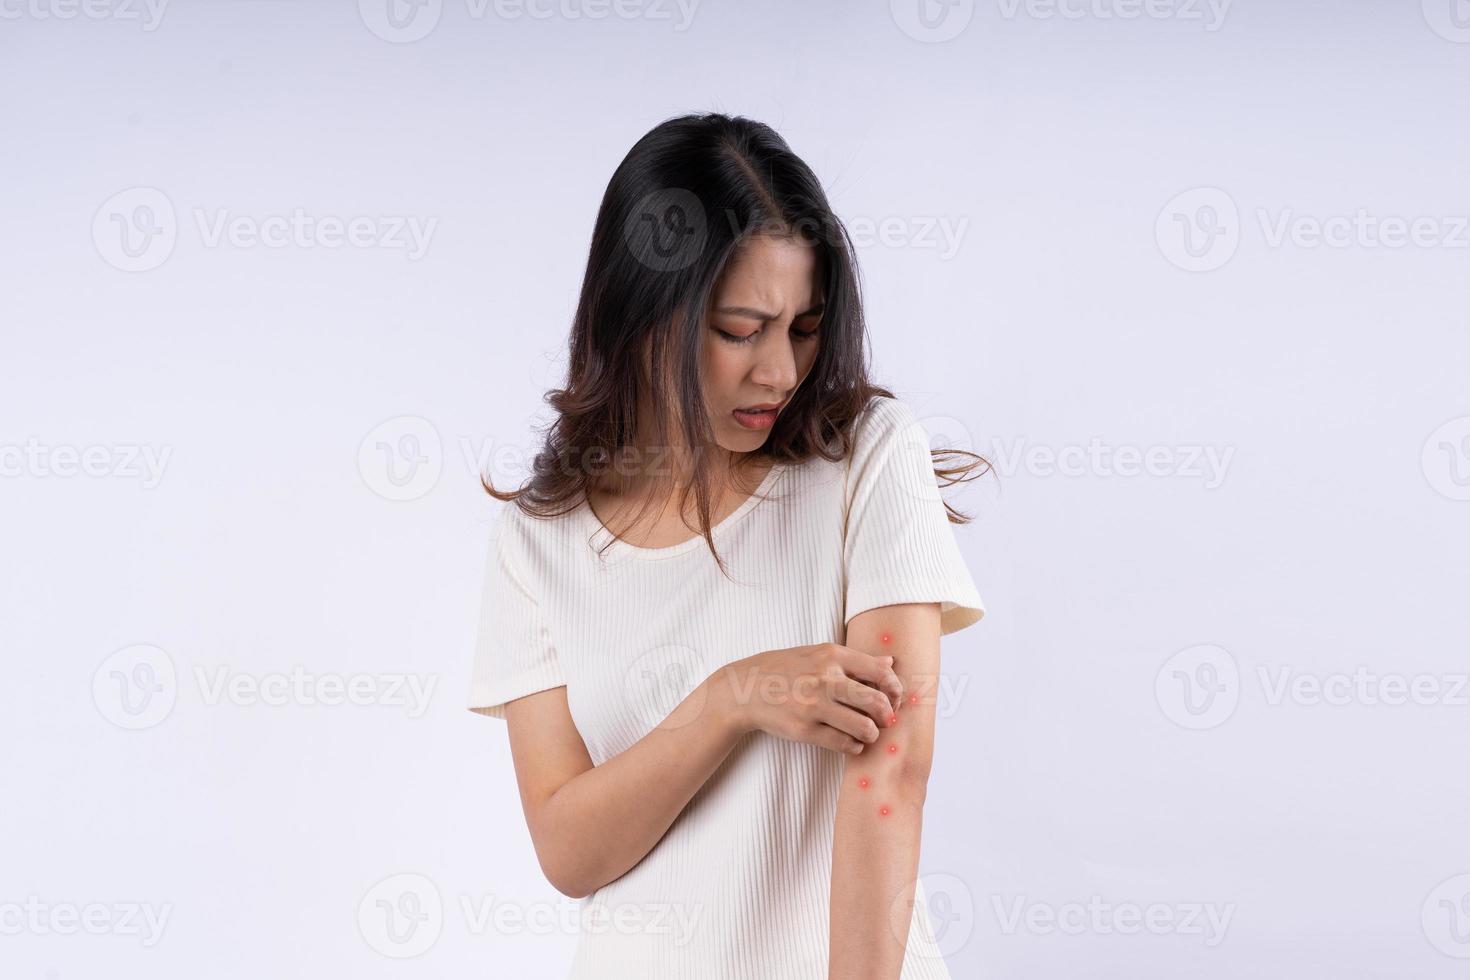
{"type": "Point", "coordinates": [913, 699]}
{"type": "Point", "coordinates": [892, 749]}
{"type": "Point", "coordinates": [893, 719]}
{"type": "Point", "coordinates": [863, 782]}
{"type": "Point", "coordinates": [883, 811]}
{"type": "Point", "coordinates": [885, 637]}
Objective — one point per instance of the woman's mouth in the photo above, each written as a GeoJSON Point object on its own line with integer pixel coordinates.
{"type": "Point", "coordinates": [756, 418]}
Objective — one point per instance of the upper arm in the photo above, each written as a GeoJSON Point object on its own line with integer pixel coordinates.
{"type": "Point", "coordinates": [548, 753]}
{"type": "Point", "coordinates": [518, 677]}
{"type": "Point", "coordinates": [908, 632]}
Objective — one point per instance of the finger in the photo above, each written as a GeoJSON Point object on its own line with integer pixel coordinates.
{"type": "Point", "coordinates": [825, 736]}
{"type": "Point", "coordinates": [869, 700]}
{"type": "Point", "coordinates": [876, 671]}
{"type": "Point", "coordinates": [846, 720]}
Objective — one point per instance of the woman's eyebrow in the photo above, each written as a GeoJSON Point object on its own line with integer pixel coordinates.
{"type": "Point", "coordinates": [762, 315]}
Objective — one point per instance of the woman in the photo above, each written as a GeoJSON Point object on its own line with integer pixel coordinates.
{"type": "Point", "coordinates": [711, 619]}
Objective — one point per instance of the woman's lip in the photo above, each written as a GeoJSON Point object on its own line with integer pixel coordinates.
{"type": "Point", "coordinates": [759, 420]}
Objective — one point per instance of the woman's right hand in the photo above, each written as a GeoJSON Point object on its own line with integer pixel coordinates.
{"type": "Point", "coordinates": [825, 694]}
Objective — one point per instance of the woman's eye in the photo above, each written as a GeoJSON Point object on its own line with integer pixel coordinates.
{"type": "Point", "coordinates": [750, 338]}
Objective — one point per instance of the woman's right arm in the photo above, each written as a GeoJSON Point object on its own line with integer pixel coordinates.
{"type": "Point", "coordinates": [591, 824]}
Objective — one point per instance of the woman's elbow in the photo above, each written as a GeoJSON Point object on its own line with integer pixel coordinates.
{"type": "Point", "coordinates": [571, 882]}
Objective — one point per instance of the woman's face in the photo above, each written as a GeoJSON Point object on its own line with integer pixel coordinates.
{"type": "Point", "coordinates": [763, 338]}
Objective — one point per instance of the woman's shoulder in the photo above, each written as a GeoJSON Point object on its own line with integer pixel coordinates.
{"type": "Point", "coordinates": [530, 541]}
{"type": "Point", "coordinates": [882, 418]}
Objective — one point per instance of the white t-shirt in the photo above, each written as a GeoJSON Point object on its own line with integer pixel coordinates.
{"type": "Point", "coordinates": [738, 888]}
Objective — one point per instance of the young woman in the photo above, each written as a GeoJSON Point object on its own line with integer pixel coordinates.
{"type": "Point", "coordinates": [712, 615]}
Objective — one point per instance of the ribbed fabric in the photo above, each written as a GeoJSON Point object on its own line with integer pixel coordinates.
{"type": "Point", "coordinates": [738, 888]}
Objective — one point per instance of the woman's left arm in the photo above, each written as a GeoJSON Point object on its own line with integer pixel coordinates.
{"type": "Point", "coordinates": [880, 808]}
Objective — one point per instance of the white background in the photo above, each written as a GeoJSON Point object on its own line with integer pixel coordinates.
{"type": "Point", "coordinates": [1083, 762]}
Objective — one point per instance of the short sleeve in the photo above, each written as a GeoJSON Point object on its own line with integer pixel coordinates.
{"type": "Point", "coordinates": [899, 545]}
{"type": "Point", "coordinates": [514, 655]}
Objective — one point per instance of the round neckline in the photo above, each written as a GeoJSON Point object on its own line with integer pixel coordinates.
{"type": "Point", "coordinates": [618, 546]}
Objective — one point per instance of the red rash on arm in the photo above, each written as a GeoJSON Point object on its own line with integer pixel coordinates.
{"type": "Point", "coordinates": [875, 846]}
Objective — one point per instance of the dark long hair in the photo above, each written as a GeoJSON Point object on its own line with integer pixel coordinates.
{"type": "Point", "coordinates": [688, 193]}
